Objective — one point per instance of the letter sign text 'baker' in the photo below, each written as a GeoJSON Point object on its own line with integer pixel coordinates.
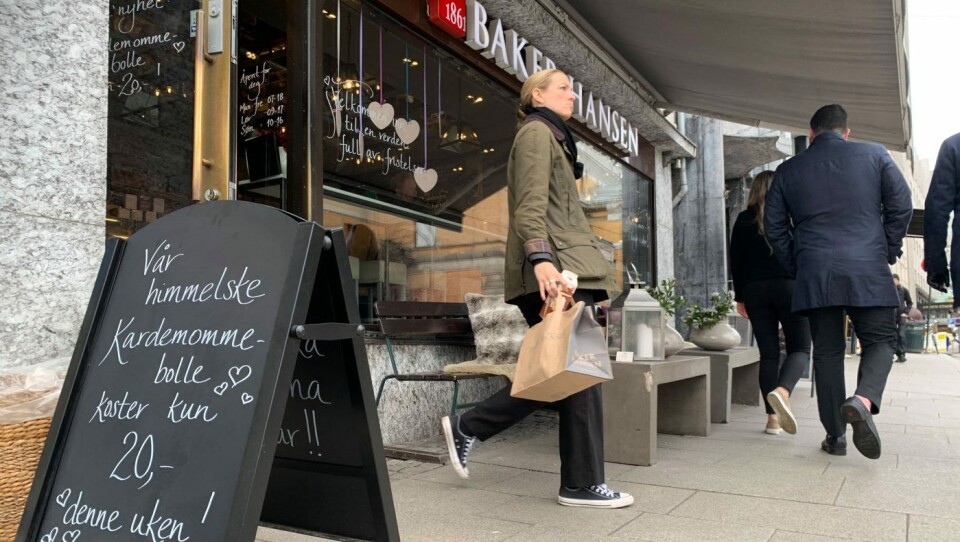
{"type": "Point", "coordinates": [516, 56]}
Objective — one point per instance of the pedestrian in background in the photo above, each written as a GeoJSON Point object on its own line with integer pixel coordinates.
{"type": "Point", "coordinates": [541, 184]}
{"type": "Point", "coordinates": [763, 290]}
{"type": "Point", "coordinates": [906, 303]}
{"type": "Point", "coordinates": [942, 199]}
{"type": "Point", "coordinates": [836, 216]}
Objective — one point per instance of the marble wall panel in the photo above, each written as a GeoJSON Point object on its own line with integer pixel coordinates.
{"type": "Point", "coordinates": [53, 110]}
{"type": "Point", "coordinates": [47, 271]}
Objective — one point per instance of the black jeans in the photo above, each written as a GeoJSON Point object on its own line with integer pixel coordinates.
{"type": "Point", "coordinates": [877, 330]}
{"type": "Point", "coordinates": [768, 304]}
{"type": "Point", "coordinates": [901, 338]}
{"type": "Point", "coordinates": [581, 415]}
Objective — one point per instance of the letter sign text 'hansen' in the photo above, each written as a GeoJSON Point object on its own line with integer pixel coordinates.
{"type": "Point", "coordinates": [450, 15]}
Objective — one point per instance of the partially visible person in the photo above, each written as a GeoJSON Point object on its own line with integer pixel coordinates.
{"type": "Point", "coordinates": [548, 233]}
{"type": "Point", "coordinates": [763, 290]}
{"type": "Point", "coordinates": [836, 216]}
{"type": "Point", "coordinates": [941, 201]}
{"type": "Point", "coordinates": [906, 303]}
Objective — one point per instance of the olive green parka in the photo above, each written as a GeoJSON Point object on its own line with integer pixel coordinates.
{"type": "Point", "coordinates": [545, 214]}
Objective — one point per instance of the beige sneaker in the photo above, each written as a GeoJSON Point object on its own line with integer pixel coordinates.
{"type": "Point", "coordinates": [781, 405]}
{"type": "Point", "coordinates": [773, 427]}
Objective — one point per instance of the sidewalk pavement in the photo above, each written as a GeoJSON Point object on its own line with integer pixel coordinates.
{"type": "Point", "coordinates": [737, 484]}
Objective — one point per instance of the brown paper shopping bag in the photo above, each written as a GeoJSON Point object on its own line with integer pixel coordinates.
{"type": "Point", "coordinates": [563, 354]}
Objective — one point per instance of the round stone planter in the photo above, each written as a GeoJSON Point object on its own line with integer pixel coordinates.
{"type": "Point", "coordinates": [719, 337]}
{"type": "Point", "coordinates": [672, 341]}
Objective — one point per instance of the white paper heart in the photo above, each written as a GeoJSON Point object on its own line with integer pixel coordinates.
{"type": "Point", "coordinates": [63, 497]}
{"type": "Point", "coordinates": [51, 536]}
{"type": "Point", "coordinates": [426, 178]}
{"type": "Point", "coordinates": [246, 398]}
{"type": "Point", "coordinates": [222, 387]}
{"type": "Point", "coordinates": [239, 374]}
{"type": "Point", "coordinates": [407, 130]}
{"type": "Point", "coordinates": [380, 114]}
{"type": "Point", "coordinates": [71, 536]}
{"type": "Point", "coordinates": [179, 45]}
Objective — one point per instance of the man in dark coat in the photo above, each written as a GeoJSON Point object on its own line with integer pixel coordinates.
{"type": "Point", "coordinates": [836, 215]}
{"type": "Point", "coordinates": [942, 199]}
{"type": "Point", "coordinates": [903, 310]}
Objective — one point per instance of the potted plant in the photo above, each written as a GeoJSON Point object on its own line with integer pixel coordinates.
{"type": "Point", "coordinates": [668, 298]}
{"type": "Point", "coordinates": [709, 328]}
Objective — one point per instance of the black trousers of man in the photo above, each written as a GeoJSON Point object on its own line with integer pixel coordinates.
{"type": "Point", "coordinates": [581, 415]}
{"type": "Point", "coordinates": [768, 304]}
{"type": "Point", "coordinates": [901, 338]}
{"type": "Point", "coordinates": [877, 330]}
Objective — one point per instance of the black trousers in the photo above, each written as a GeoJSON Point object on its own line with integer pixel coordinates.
{"type": "Point", "coordinates": [877, 330]}
{"type": "Point", "coordinates": [581, 415]}
{"type": "Point", "coordinates": [901, 337]}
{"type": "Point", "coordinates": [768, 305]}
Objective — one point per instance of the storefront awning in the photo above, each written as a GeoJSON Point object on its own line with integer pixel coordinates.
{"type": "Point", "coordinates": [766, 63]}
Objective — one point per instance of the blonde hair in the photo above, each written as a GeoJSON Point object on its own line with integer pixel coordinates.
{"type": "Point", "coordinates": [539, 80]}
{"type": "Point", "coordinates": [758, 195]}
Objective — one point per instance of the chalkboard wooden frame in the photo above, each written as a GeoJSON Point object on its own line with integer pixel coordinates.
{"type": "Point", "coordinates": [243, 519]}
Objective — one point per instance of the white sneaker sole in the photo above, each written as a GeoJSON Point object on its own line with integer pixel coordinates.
{"type": "Point", "coordinates": [625, 500]}
{"type": "Point", "coordinates": [452, 448]}
{"type": "Point", "coordinates": [787, 422]}
{"type": "Point", "coordinates": [772, 431]}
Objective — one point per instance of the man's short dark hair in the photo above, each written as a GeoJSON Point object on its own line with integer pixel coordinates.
{"type": "Point", "coordinates": [829, 118]}
{"type": "Point", "coordinates": [896, 276]}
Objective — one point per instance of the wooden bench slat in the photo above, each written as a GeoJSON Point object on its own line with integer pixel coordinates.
{"type": "Point", "coordinates": [425, 326]}
{"type": "Point", "coordinates": [441, 377]}
{"type": "Point", "coordinates": [424, 309]}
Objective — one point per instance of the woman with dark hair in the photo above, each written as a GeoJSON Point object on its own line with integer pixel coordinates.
{"type": "Point", "coordinates": [548, 233]}
{"type": "Point", "coordinates": [764, 292]}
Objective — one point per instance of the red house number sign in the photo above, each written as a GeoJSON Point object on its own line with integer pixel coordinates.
{"type": "Point", "coordinates": [450, 15]}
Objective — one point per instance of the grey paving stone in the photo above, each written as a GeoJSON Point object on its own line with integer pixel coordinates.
{"type": "Point", "coordinates": [929, 529]}
{"type": "Point", "coordinates": [706, 444]}
{"type": "Point", "coordinates": [910, 493]}
{"type": "Point", "coordinates": [539, 533]}
{"type": "Point", "coordinates": [788, 536]}
{"type": "Point", "coordinates": [660, 528]}
{"type": "Point", "coordinates": [482, 475]}
{"type": "Point", "coordinates": [818, 519]}
{"type": "Point", "coordinates": [266, 534]}
{"type": "Point", "coordinates": [547, 512]}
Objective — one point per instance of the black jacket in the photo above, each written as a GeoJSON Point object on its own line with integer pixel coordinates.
{"type": "Point", "coordinates": [751, 258]}
{"type": "Point", "coordinates": [943, 197]}
{"type": "Point", "coordinates": [850, 207]}
{"type": "Point", "coordinates": [906, 302]}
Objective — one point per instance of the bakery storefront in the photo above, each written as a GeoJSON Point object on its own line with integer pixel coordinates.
{"type": "Point", "coordinates": [410, 121]}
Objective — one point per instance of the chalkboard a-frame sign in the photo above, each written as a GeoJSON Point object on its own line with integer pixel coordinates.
{"type": "Point", "coordinates": [174, 402]}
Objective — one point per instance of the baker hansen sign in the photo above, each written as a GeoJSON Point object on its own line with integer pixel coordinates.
{"type": "Point", "coordinates": [517, 56]}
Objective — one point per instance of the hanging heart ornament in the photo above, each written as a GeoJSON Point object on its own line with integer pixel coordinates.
{"type": "Point", "coordinates": [407, 130]}
{"type": "Point", "coordinates": [426, 179]}
{"type": "Point", "coordinates": [380, 114]}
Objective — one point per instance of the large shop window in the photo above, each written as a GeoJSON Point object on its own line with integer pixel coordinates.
{"type": "Point", "coordinates": [415, 154]}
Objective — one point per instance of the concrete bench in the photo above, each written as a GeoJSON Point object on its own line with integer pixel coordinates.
{"type": "Point", "coordinates": [734, 378]}
{"type": "Point", "coordinates": [645, 398]}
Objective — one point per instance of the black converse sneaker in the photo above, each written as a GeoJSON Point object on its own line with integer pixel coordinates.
{"type": "Point", "coordinates": [599, 496]}
{"type": "Point", "coordinates": [458, 445]}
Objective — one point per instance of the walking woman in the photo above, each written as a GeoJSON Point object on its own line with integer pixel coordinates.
{"type": "Point", "coordinates": [548, 233]}
{"type": "Point", "coordinates": [763, 292]}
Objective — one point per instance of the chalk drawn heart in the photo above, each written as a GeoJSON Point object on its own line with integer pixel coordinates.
{"type": "Point", "coordinates": [246, 398]}
{"type": "Point", "coordinates": [51, 536]}
{"type": "Point", "coordinates": [179, 45]}
{"type": "Point", "coordinates": [222, 387]}
{"type": "Point", "coordinates": [71, 536]}
{"type": "Point", "coordinates": [426, 178]}
{"type": "Point", "coordinates": [380, 114]}
{"type": "Point", "coordinates": [407, 130]}
{"type": "Point", "coordinates": [238, 374]}
{"type": "Point", "coordinates": [63, 497]}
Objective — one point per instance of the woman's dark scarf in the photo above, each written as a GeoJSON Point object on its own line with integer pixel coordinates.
{"type": "Point", "coordinates": [568, 140]}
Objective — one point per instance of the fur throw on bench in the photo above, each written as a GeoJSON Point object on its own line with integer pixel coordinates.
{"type": "Point", "coordinates": [498, 330]}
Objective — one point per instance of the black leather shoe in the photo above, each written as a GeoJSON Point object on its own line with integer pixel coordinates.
{"type": "Point", "coordinates": [865, 435]}
{"type": "Point", "coordinates": [834, 445]}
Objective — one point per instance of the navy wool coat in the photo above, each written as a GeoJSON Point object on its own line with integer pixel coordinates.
{"type": "Point", "coordinates": [942, 199]}
{"type": "Point", "coordinates": [836, 215]}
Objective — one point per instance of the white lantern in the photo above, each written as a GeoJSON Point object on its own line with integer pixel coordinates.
{"type": "Point", "coordinates": [636, 323]}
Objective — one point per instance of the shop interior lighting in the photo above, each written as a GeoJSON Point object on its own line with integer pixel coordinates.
{"type": "Point", "coordinates": [251, 55]}
{"type": "Point", "coordinates": [474, 99]}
